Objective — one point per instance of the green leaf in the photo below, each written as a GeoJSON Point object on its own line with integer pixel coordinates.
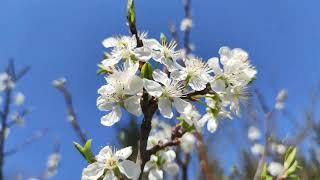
{"type": "Point", "coordinates": [291, 170]}
{"type": "Point", "coordinates": [131, 13]}
{"type": "Point", "coordinates": [86, 151]}
{"type": "Point", "coordinates": [163, 39]}
{"type": "Point", "coordinates": [146, 71]}
{"type": "Point", "coordinates": [264, 173]}
{"type": "Point", "coordinates": [290, 157]}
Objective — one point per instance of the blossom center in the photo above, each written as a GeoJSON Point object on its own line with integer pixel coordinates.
{"type": "Point", "coordinates": [112, 163]}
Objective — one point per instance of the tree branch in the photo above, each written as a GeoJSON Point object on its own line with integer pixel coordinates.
{"type": "Point", "coordinates": [70, 110]}
{"type": "Point", "coordinates": [36, 136]}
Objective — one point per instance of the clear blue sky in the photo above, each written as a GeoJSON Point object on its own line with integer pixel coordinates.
{"type": "Point", "coordinates": [63, 38]}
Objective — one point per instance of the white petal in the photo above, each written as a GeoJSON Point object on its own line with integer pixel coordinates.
{"type": "Point", "coordinates": [148, 166]}
{"type": "Point", "coordinates": [109, 42]}
{"type": "Point", "coordinates": [205, 118]}
{"type": "Point", "coordinates": [170, 64]}
{"type": "Point", "coordinates": [197, 84]}
{"type": "Point", "coordinates": [124, 153]}
{"type": "Point", "coordinates": [218, 85]}
{"type": "Point", "coordinates": [161, 77]}
{"type": "Point", "coordinates": [111, 61]}
{"type": "Point", "coordinates": [143, 53]}
{"type": "Point", "coordinates": [181, 105]}
{"type": "Point", "coordinates": [134, 86]}
{"type": "Point", "coordinates": [169, 155]}
{"type": "Point", "coordinates": [110, 176]}
{"type": "Point", "coordinates": [130, 169]}
{"type": "Point", "coordinates": [103, 104]}
{"type": "Point", "coordinates": [106, 89]}
{"type": "Point", "coordinates": [213, 63]}
{"type": "Point", "coordinates": [172, 169]}
{"type": "Point", "coordinates": [93, 171]}
{"type": "Point", "coordinates": [240, 54]}
{"type": "Point", "coordinates": [152, 87]}
{"type": "Point", "coordinates": [155, 174]}
{"type": "Point", "coordinates": [165, 108]}
{"type": "Point", "coordinates": [132, 104]}
{"type": "Point", "coordinates": [179, 75]}
{"type": "Point", "coordinates": [104, 154]}
{"type": "Point", "coordinates": [212, 125]}
{"type": "Point", "coordinates": [111, 118]}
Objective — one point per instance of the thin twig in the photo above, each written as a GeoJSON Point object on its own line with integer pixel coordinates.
{"type": "Point", "coordinates": [36, 136]}
{"type": "Point", "coordinates": [71, 112]}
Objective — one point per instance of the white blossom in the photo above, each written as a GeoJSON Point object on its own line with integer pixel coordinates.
{"type": "Point", "coordinates": [275, 169]}
{"type": "Point", "coordinates": [280, 99]}
{"type": "Point", "coordinates": [17, 118]}
{"type": "Point", "coordinates": [187, 142]}
{"type": "Point", "coordinates": [123, 90]}
{"type": "Point", "coordinates": [257, 149]}
{"type": "Point", "coordinates": [215, 111]}
{"type": "Point", "coordinates": [192, 117]}
{"type": "Point", "coordinates": [186, 23]}
{"type": "Point", "coordinates": [125, 48]}
{"type": "Point", "coordinates": [254, 133]}
{"type": "Point", "coordinates": [108, 162]}
{"type": "Point", "coordinates": [52, 164]}
{"type": "Point", "coordinates": [59, 82]}
{"type": "Point", "coordinates": [167, 55]}
{"type": "Point", "coordinates": [195, 73]}
{"type": "Point", "coordinates": [19, 99]}
{"type": "Point", "coordinates": [160, 132]}
{"type": "Point", "coordinates": [281, 149]}
{"type": "Point", "coordinates": [6, 81]}
{"type": "Point", "coordinates": [167, 91]}
{"type": "Point", "coordinates": [162, 161]}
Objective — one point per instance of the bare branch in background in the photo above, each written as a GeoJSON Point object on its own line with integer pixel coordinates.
{"type": "Point", "coordinates": [36, 136]}
{"type": "Point", "coordinates": [72, 117]}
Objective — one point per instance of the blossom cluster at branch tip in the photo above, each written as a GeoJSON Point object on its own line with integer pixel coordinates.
{"type": "Point", "coordinates": [111, 165]}
{"type": "Point", "coordinates": [220, 84]}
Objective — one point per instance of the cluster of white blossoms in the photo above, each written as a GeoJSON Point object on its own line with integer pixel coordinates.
{"type": "Point", "coordinates": [111, 164]}
{"type": "Point", "coordinates": [221, 82]}
{"type": "Point", "coordinates": [161, 162]}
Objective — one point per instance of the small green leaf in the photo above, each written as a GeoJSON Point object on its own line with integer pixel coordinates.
{"type": "Point", "coordinates": [291, 170]}
{"type": "Point", "coordinates": [185, 125]}
{"type": "Point", "coordinates": [86, 151]}
{"type": "Point", "coordinates": [290, 157]}
{"type": "Point", "coordinates": [163, 39]}
{"type": "Point", "coordinates": [131, 12]}
{"type": "Point", "coordinates": [146, 71]}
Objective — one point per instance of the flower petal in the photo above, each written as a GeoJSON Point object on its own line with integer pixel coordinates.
{"type": "Point", "coordinates": [213, 63]}
{"type": "Point", "coordinates": [111, 118]}
{"type": "Point", "coordinates": [155, 174]}
{"type": "Point", "coordinates": [104, 154]}
{"type": "Point", "coordinates": [218, 86]}
{"type": "Point", "coordinates": [109, 42]}
{"type": "Point", "coordinates": [169, 155]}
{"type": "Point", "coordinates": [161, 77]}
{"type": "Point", "coordinates": [165, 108]}
{"type": "Point", "coordinates": [110, 61]}
{"type": "Point", "coordinates": [130, 169]}
{"type": "Point", "coordinates": [172, 168]}
{"type": "Point", "coordinates": [181, 105]}
{"type": "Point", "coordinates": [134, 86]}
{"type": "Point", "coordinates": [124, 153]}
{"type": "Point", "coordinates": [109, 176]}
{"type": "Point", "coordinates": [152, 87]}
{"type": "Point", "coordinates": [93, 172]}
{"type": "Point", "coordinates": [212, 125]}
{"type": "Point", "coordinates": [132, 104]}
{"type": "Point", "coordinates": [205, 118]}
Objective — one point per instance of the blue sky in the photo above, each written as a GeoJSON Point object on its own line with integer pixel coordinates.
{"type": "Point", "coordinates": [63, 39]}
